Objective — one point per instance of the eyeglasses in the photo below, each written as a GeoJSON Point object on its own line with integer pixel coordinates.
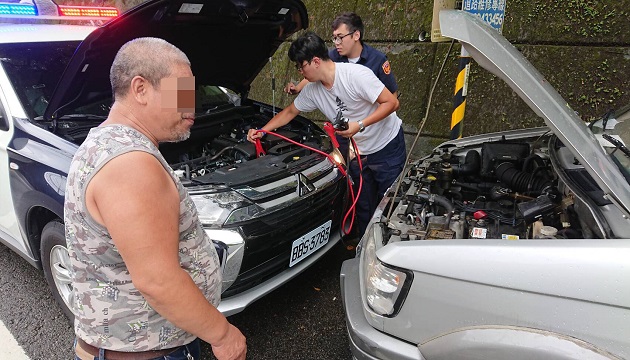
{"type": "Point", "coordinates": [338, 38]}
{"type": "Point", "coordinates": [300, 68]}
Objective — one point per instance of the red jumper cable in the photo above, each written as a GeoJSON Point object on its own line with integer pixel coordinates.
{"type": "Point", "coordinates": [331, 133]}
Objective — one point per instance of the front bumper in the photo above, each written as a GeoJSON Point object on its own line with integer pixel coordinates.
{"type": "Point", "coordinates": [238, 302]}
{"type": "Point", "coordinates": [365, 341]}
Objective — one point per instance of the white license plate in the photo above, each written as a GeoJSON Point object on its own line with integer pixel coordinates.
{"type": "Point", "coordinates": [309, 243]}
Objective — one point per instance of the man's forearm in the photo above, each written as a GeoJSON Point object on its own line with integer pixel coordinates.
{"type": "Point", "coordinates": [301, 85]}
{"type": "Point", "coordinates": [382, 111]}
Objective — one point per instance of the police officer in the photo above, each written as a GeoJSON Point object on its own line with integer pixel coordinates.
{"type": "Point", "coordinates": [349, 47]}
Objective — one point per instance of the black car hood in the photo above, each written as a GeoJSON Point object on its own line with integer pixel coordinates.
{"type": "Point", "coordinates": [228, 42]}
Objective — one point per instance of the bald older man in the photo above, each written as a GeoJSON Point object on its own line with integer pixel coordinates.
{"type": "Point", "coordinates": [146, 277]}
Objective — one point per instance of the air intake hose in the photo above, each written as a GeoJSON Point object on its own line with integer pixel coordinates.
{"type": "Point", "coordinates": [520, 181]}
{"type": "Point", "coordinates": [471, 165]}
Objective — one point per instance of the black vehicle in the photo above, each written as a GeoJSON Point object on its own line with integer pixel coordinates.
{"type": "Point", "coordinates": [54, 87]}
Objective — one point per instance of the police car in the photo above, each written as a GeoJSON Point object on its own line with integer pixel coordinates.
{"type": "Point", "coordinates": [54, 87]}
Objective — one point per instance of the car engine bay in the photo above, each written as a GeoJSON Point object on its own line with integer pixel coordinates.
{"type": "Point", "coordinates": [507, 189]}
{"type": "Point", "coordinates": [218, 152]}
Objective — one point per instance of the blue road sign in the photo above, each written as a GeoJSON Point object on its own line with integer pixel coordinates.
{"type": "Point", "coordinates": [490, 11]}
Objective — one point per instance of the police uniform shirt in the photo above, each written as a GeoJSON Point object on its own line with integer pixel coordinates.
{"type": "Point", "coordinates": [375, 61]}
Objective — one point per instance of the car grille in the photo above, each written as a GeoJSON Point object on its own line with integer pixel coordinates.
{"type": "Point", "coordinates": [269, 237]}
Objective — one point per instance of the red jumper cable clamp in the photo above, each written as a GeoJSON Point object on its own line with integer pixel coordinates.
{"type": "Point", "coordinates": [259, 149]}
{"type": "Point", "coordinates": [330, 130]}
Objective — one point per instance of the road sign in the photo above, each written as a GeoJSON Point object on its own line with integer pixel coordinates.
{"type": "Point", "coordinates": [436, 34]}
{"type": "Point", "coordinates": [490, 11]}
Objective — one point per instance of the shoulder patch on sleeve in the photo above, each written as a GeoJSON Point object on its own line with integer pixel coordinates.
{"type": "Point", "coordinates": [386, 69]}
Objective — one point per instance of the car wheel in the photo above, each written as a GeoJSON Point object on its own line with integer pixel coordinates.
{"type": "Point", "coordinates": [56, 264]}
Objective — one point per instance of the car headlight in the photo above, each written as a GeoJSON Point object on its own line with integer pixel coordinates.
{"type": "Point", "coordinates": [385, 287]}
{"type": "Point", "coordinates": [338, 157]}
{"type": "Point", "coordinates": [224, 207]}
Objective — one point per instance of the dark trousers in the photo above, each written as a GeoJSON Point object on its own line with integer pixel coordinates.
{"type": "Point", "coordinates": [380, 170]}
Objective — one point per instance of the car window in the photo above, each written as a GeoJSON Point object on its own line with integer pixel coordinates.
{"type": "Point", "coordinates": [209, 97]}
{"type": "Point", "coordinates": [34, 70]}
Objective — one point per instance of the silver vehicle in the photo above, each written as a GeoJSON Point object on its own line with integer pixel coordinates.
{"type": "Point", "coordinates": [511, 245]}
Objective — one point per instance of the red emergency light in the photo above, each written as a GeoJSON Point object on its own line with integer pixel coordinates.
{"type": "Point", "coordinates": [88, 11]}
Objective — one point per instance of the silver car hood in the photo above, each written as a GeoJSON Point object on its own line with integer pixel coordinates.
{"type": "Point", "coordinates": [494, 53]}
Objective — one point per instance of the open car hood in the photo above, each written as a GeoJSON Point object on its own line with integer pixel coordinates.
{"type": "Point", "coordinates": [495, 54]}
{"type": "Point", "coordinates": [228, 42]}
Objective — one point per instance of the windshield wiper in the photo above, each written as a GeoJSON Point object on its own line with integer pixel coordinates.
{"type": "Point", "coordinates": [604, 120]}
{"type": "Point", "coordinates": [618, 144]}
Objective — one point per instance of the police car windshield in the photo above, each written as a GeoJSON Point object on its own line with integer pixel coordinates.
{"type": "Point", "coordinates": [34, 69]}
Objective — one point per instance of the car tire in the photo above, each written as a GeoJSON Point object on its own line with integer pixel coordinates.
{"type": "Point", "coordinates": [56, 264]}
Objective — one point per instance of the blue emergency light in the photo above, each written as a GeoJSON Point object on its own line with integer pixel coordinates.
{"type": "Point", "coordinates": [17, 9]}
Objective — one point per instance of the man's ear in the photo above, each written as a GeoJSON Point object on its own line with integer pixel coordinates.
{"type": "Point", "coordinates": [138, 89]}
{"type": "Point", "coordinates": [357, 35]}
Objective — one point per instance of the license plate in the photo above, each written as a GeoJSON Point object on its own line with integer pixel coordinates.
{"type": "Point", "coordinates": [309, 243]}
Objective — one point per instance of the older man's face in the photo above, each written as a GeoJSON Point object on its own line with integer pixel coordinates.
{"type": "Point", "coordinates": [178, 94]}
{"type": "Point", "coordinates": [178, 103]}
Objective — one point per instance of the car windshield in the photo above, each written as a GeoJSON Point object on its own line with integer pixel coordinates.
{"type": "Point", "coordinates": [34, 69]}
{"type": "Point", "coordinates": [613, 133]}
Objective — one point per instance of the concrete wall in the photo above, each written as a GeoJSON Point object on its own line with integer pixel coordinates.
{"type": "Point", "coordinates": [582, 47]}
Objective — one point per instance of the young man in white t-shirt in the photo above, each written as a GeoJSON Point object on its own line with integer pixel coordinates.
{"type": "Point", "coordinates": [353, 91]}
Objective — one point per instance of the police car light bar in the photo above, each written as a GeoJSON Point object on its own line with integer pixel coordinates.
{"type": "Point", "coordinates": [89, 11]}
{"type": "Point", "coordinates": [17, 9]}
{"type": "Point", "coordinates": [52, 11]}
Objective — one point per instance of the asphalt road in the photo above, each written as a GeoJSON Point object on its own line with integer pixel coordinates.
{"type": "Point", "coordinates": [301, 320]}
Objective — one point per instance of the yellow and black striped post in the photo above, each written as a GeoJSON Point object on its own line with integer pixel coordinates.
{"type": "Point", "coordinates": [459, 99]}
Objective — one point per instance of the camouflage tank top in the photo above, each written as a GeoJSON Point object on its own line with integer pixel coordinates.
{"type": "Point", "coordinates": [109, 311]}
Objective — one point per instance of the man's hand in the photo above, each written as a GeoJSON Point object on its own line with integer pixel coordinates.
{"type": "Point", "coordinates": [294, 88]}
{"type": "Point", "coordinates": [232, 346]}
{"type": "Point", "coordinates": [254, 134]}
{"type": "Point", "coordinates": [291, 88]}
{"type": "Point", "coordinates": [353, 128]}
